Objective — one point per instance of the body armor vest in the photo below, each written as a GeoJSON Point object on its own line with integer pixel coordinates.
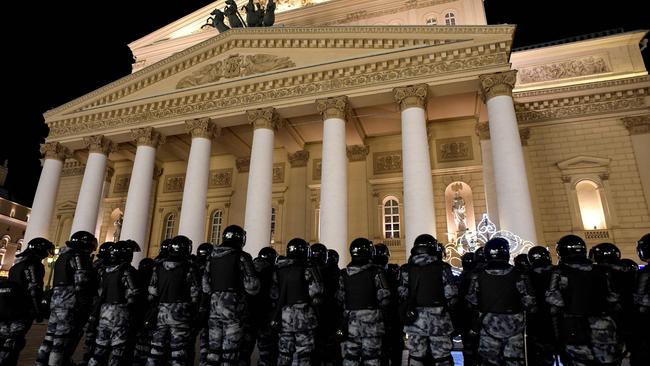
{"type": "Point", "coordinates": [172, 284]}
{"type": "Point", "coordinates": [225, 274]}
{"type": "Point", "coordinates": [360, 292]}
{"type": "Point", "coordinates": [63, 271]}
{"type": "Point", "coordinates": [540, 282]}
{"type": "Point", "coordinates": [498, 294]}
{"type": "Point", "coordinates": [14, 301]}
{"type": "Point", "coordinates": [294, 289]}
{"type": "Point", "coordinates": [425, 283]}
{"type": "Point", "coordinates": [113, 291]}
{"type": "Point", "coordinates": [585, 293]}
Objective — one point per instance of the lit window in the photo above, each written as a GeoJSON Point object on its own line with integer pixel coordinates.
{"type": "Point", "coordinates": [432, 21]}
{"type": "Point", "coordinates": [272, 224]}
{"type": "Point", "coordinates": [450, 19]}
{"type": "Point", "coordinates": [391, 218]}
{"type": "Point", "coordinates": [215, 227]}
{"type": "Point", "coordinates": [591, 205]}
{"type": "Point", "coordinates": [170, 222]}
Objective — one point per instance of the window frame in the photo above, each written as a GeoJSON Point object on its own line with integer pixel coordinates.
{"type": "Point", "coordinates": [392, 203]}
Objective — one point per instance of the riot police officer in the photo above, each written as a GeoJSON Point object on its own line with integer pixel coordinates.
{"type": "Point", "coordinates": [428, 288]}
{"type": "Point", "coordinates": [464, 314]}
{"type": "Point", "coordinates": [71, 303]}
{"type": "Point", "coordinates": [20, 298]}
{"type": "Point", "coordinates": [163, 251]}
{"type": "Point", "coordinates": [261, 308]}
{"type": "Point", "coordinates": [203, 252]}
{"type": "Point", "coordinates": [540, 333]}
{"type": "Point", "coordinates": [332, 258]}
{"type": "Point", "coordinates": [521, 262]}
{"type": "Point", "coordinates": [393, 342]}
{"type": "Point", "coordinates": [295, 289]}
{"type": "Point", "coordinates": [640, 352]}
{"type": "Point", "coordinates": [174, 292]}
{"type": "Point", "coordinates": [229, 275]}
{"type": "Point", "coordinates": [328, 311]}
{"type": "Point", "coordinates": [502, 295]}
{"type": "Point", "coordinates": [582, 301]}
{"type": "Point", "coordinates": [118, 293]}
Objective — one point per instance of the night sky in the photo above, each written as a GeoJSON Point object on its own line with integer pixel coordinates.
{"type": "Point", "coordinates": [79, 46]}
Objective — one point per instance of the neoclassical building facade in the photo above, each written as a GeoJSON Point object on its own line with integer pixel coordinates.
{"type": "Point", "coordinates": [355, 118]}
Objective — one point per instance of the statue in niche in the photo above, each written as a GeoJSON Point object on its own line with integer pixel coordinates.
{"type": "Point", "coordinates": [118, 228]}
{"type": "Point", "coordinates": [459, 210]}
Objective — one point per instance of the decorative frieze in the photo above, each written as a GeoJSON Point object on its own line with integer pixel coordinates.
{"type": "Point", "coordinates": [637, 125]}
{"type": "Point", "coordinates": [174, 183]}
{"type": "Point", "coordinates": [243, 164]}
{"type": "Point", "coordinates": [72, 168]}
{"type": "Point", "coordinates": [357, 152]}
{"type": "Point", "coordinates": [99, 144]}
{"type": "Point", "coordinates": [387, 162]}
{"type": "Point", "coordinates": [220, 178]}
{"type": "Point", "coordinates": [500, 83]}
{"type": "Point", "coordinates": [411, 96]}
{"type": "Point", "coordinates": [278, 173]}
{"type": "Point", "coordinates": [55, 150]}
{"type": "Point", "coordinates": [299, 158]}
{"type": "Point", "coordinates": [483, 130]}
{"type": "Point", "coordinates": [565, 69]}
{"type": "Point", "coordinates": [317, 169]}
{"type": "Point", "coordinates": [454, 149]}
{"type": "Point", "coordinates": [264, 118]}
{"type": "Point", "coordinates": [202, 127]}
{"type": "Point", "coordinates": [121, 184]}
{"type": "Point", "coordinates": [147, 136]}
{"type": "Point", "coordinates": [335, 107]}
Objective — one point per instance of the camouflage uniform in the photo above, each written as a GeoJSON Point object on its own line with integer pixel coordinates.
{"type": "Point", "coordinates": [641, 349]}
{"type": "Point", "coordinates": [74, 289]}
{"type": "Point", "coordinates": [464, 319]}
{"type": "Point", "coordinates": [27, 275]}
{"type": "Point", "coordinates": [589, 336]}
{"type": "Point", "coordinates": [227, 303]}
{"type": "Point", "coordinates": [432, 329]}
{"type": "Point", "coordinates": [90, 329]}
{"type": "Point", "coordinates": [173, 322]}
{"type": "Point", "coordinates": [297, 321]}
{"type": "Point", "coordinates": [622, 281]}
{"type": "Point", "coordinates": [143, 334]}
{"type": "Point", "coordinates": [393, 342]}
{"type": "Point", "coordinates": [365, 326]}
{"type": "Point", "coordinates": [114, 327]}
{"type": "Point", "coordinates": [501, 337]}
{"type": "Point", "coordinates": [539, 330]}
{"type": "Point", "coordinates": [261, 309]}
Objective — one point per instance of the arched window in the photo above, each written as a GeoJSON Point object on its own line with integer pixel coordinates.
{"type": "Point", "coordinates": [215, 226]}
{"type": "Point", "coordinates": [432, 20]}
{"type": "Point", "coordinates": [450, 18]}
{"type": "Point", "coordinates": [391, 218]}
{"type": "Point", "coordinates": [591, 205]}
{"type": "Point", "coordinates": [170, 222]}
{"type": "Point", "coordinates": [272, 224]}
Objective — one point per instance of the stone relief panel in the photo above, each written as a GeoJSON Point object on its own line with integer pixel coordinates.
{"type": "Point", "coordinates": [454, 149]}
{"type": "Point", "coordinates": [278, 173]}
{"type": "Point", "coordinates": [220, 178]}
{"type": "Point", "coordinates": [317, 167]}
{"type": "Point", "coordinates": [387, 162]}
{"type": "Point", "coordinates": [564, 69]}
{"type": "Point", "coordinates": [174, 183]}
{"type": "Point", "coordinates": [122, 183]}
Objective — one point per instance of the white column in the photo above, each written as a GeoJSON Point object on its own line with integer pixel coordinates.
{"type": "Point", "coordinates": [90, 195]}
{"type": "Point", "coordinates": [483, 132]}
{"type": "Point", "coordinates": [257, 221]}
{"type": "Point", "coordinates": [513, 195]}
{"type": "Point", "coordinates": [296, 223]}
{"type": "Point", "coordinates": [48, 187]}
{"type": "Point", "coordinates": [419, 215]}
{"type": "Point", "coordinates": [138, 199]}
{"type": "Point", "coordinates": [334, 177]}
{"type": "Point", "coordinates": [195, 191]}
{"type": "Point", "coordinates": [639, 128]}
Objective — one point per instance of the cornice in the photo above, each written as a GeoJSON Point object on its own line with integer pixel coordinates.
{"type": "Point", "coordinates": [637, 125]}
{"type": "Point", "coordinates": [221, 43]}
{"type": "Point", "coordinates": [581, 87]}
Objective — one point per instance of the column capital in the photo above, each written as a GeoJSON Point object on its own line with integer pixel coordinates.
{"type": "Point", "coordinates": [411, 96]}
{"type": "Point", "coordinates": [524, 135]}
{"type": "Point", "coordinates": [55, 150]}
{"type": "Point", "coordinates": [357, 152]}
{"type": "Point", "coordinates": [99, 144]}
{"type": "Point", "coordinates": [483, 130]}
{"type": "Point", "coordinates": [637, 125]}
{"type": "Point", "coordinates": [299, 158]}
{"type": "Point", "coordinates": [334, 107]}
{"type": "Point", "coordinates": [499, 83]}
{"type": "Point", "coordinates": [147, 136]}
{"type": "Point", "coordinates": [243, 164]}
{"type": "Point", "coordinates": [264, 118]}
{"type": "Point", "coordinates": [202, 127]}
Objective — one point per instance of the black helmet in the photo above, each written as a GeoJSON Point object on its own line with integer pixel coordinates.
{"type": "Point", "coordinates": [104, 250]}
{"type": "Point", "coordinates": [479, 255]}
{"type": "Point", "coordinates": [180, 247]}
{"type": "Point", "coordinates": [164, 249]}
{"type": "Point", "coordinates": [318, 253]}
{"type": "Point", "coordinates": [83, 240]}
{"type": "Point", "coordinates": [468, 260]}
{"type": "Point", "coordinates": [203, 251]}
{"type": "Point", "coordinates": [146, 264]}
{"type": "Point", "coordinates": [121, 252]}
{"type": "Point", "coordinates": [421, 249]}
{"type": "Point", "coordinates": [570, 246]}
{"type": "Point", "coordinates": [425, 239]}
{"type": "Point", "coordinates": [629, 264]}
{"type": "Point", "coordinates": [40, 247]}
{"type": "Point", "coordinates": [297, 248]}
{"type": "Point", "coordinates": [268, 254]}
{"type": "Point", "coordinates": [643, 248]}
{"type": "Point", "coordinates": [497, 250]}
{"type": "Point", "coordinates": [361, 249]}
{"type": "Point", "coordinates": [539, 256]}
{"type": "Point", "coordinates": [521, 262]}
{"type": "Point", "coordinates": [382, 254]}
{"type": "Point", "coordinates": [332, 257]}
{"type": "Point", "coordinates": [605, 253]}
{"type": "Point", "coordinates": [233, 236]}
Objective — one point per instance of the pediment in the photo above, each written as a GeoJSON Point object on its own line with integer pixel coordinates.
{"type": "Point", "coordinates": [66, 206]}
{"type": "Point", "coordinates": [248, 62]}
{"type": "Point", "coordinates": [584, 163]}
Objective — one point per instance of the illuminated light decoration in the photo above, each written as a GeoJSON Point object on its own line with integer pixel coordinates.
{"type": "Point", "coordinates": [485, 230]}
